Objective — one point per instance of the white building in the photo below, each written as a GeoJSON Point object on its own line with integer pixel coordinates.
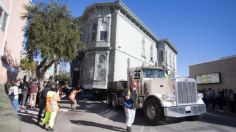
{"type": "Point", "coordinates": [167, 56]}
{"type": "Point", "coordinates": [113, 34]}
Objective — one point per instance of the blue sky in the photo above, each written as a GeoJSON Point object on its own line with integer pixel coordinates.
{"type": "Point", "coordinates": [201, 30]}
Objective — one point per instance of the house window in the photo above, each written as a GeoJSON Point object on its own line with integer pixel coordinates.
{"type": "Point", "coordinates": [151, 53]}
{"type": "Point", "coordinates": [104, 28]}
{"type": "Point", "coordinates": [94, 32]}
{"type": "Point", "coordinates": [170, 60]}
{"type": "Point", "coordinates": [161, 57]}
{"type": "Point", "coordinates": [103, 35]}
{"type": "Point", "coordinates": [89, 67]}
{"type": "Point", "coordinates": [100, 67]}
{"type": "Point", "coordinates": [3, 19]}
{"type": "Point", "coordinates": [143, 48]}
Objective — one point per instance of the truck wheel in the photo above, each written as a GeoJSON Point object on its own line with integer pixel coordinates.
{"type": "Point", "coordinates": [108, 100]}
{"type": "Point", "coordinates": [153, 111]}
{"type": "Point", "coordinates": [114, 102]}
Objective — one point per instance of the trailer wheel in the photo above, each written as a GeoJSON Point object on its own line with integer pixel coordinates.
{"type": "Point", "coordinates": [113, 102]}
{"type": "Point", "coordinates": [153, 111]}
{"type": "Point", "coordinates": [108, 100]}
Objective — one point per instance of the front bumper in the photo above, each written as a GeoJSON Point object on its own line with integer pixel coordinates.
{"type": "Point", "coordinates": [185, 110]}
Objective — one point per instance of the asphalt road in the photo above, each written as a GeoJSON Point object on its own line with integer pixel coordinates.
{"type": "Point", "coordinates": [96, 116]}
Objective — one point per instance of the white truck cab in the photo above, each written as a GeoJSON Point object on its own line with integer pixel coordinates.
{"type": "Point", "coordinates": [160, 95]}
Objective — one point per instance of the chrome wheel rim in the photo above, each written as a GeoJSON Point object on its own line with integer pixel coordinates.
{"type": "Point", "coordinates": [151, 113]}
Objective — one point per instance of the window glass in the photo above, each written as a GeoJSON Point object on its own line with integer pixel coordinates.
{"type": "Point", "coordinates": [94, 32]}
{"type": "Point", "coordinates": [161, 57]}
{"type": "Point", "coordinates": [151, 53]}
{"type": "Point", "coordinates": [89, 67]}
{"type": "Point", "coordinates": [153, 73]}
{"type": "Point", "coordinates": [100, 67]}
{"type": "Point", "coordinates": [137, 74]}
{"type": "Point", "coordinates": [103, 35]}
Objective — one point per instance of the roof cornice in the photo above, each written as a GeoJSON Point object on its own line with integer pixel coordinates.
{"type": "Point", "coordinates": [166, 41]}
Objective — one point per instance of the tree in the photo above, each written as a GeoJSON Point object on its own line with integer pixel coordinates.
{"type": "Point", "coordinates": [52, 35]}
{"type": "Point", "coordinates": [28, 65]}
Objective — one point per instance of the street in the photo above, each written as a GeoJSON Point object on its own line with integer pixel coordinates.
{"type": "Point", "coordinates": [97, 116]}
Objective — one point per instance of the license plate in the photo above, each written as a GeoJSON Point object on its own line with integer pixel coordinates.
{"type": "Point", "coordinates": [188, 108]}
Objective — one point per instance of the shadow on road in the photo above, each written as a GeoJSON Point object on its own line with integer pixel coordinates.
{"type": "Point", "coordinates": [89, 123]}
{"type": "Point", "coordinates": [28, 118]}
{"type": "Point", "coordinates": [118, 115]}
{"type": "Point", "coordinates": [219, 119]}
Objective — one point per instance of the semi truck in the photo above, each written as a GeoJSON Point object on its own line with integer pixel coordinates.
{"type": "Point", "coordinates": [159, 96]}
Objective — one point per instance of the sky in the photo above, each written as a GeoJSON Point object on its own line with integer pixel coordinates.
{"type": "Point", "coordinates": [201, 30]}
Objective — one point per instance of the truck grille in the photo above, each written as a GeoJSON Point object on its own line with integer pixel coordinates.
{"type": "Point", "coordinates": [186, 92]}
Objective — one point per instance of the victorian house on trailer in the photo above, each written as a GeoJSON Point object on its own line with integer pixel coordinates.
{"type": "Point", "coordinates": [113, 34]}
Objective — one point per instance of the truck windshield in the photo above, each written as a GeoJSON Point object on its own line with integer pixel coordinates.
{"type": "Point", "coordinates": [153, 73]}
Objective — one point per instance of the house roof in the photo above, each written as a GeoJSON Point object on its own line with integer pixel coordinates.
{"type": "Point", "coordinates": [166, 41]}
{"type": "Point", "coordinates": [124, 9]}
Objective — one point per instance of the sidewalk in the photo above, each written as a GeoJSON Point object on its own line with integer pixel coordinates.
{"type": "Point", "coordinates": [91, 115]}
{"type": "Point", "coordinates": [29, 118]}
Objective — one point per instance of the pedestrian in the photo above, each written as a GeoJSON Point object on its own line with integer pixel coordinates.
{"type": "Point", "coordinates": [21, 86]}
{"type": "Point", "coordinates": [42, 98]}
{"type": "Point", "coordinates": [131, 98]}
{"type": "Point", "coordinates": [72, 98]}
{"type": "Point", "coordinates": [14, 92]}
{"type": "Point", "coordinates": [214, 99]}
{"type": "Point", "coordinates": [25, 91]}
{"type": "Point", "coordinates": [52, 105]}
{"type": "Point", "coordinates": [33, 93]}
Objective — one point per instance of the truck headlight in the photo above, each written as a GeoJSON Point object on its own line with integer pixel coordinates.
{"type": "Point", "coordinates": [168, 97]}
{"type": "Point", "coordinates": [200, 95]}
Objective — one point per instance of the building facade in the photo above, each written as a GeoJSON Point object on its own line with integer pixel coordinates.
{"type": "Point", "coordinates": [217, 75]}
{"type": "Point", "coordinates": [11, 37]}
{"type": "Point", "coordinates": [167, 56]}
{"type": "Point", "coordinates": [113, 34]}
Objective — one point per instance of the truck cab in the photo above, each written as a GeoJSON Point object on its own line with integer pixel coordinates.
{"type": "Point", "coordinates": [161, 96]}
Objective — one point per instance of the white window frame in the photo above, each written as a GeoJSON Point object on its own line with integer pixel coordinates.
{"type": "Point", "coordinates": [104, 27]}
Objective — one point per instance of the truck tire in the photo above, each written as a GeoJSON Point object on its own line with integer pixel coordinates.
{"type": "Point", "coordinates": [153, 111]}
{"type": "Point", "coordinates": [108, 101]}
{"type": "Point", "coordinates": [114, 102]}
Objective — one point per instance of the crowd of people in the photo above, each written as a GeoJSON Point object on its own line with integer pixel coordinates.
{"type": "Point", "coordinates": [44, 99]}
{"type": "Point", "coordinates": [222, 100]}
{"type": "Point", "coordinates": [29, 95]}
